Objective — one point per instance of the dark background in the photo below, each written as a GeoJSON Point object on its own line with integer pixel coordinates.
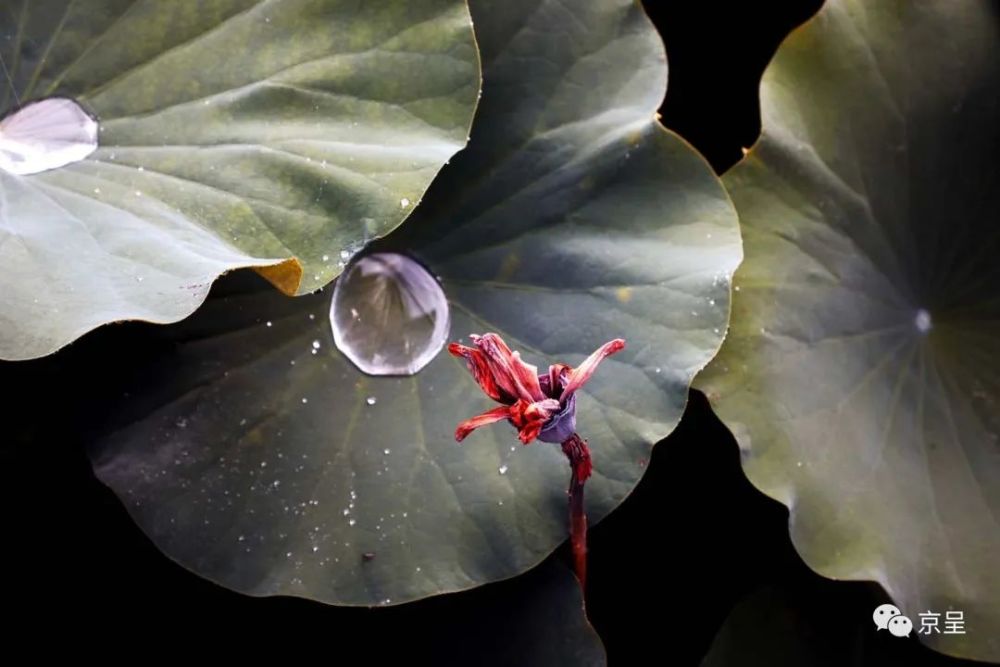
{"type": "Point", "coordinates": [666, 568]}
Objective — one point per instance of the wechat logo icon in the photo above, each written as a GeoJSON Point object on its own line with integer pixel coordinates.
{"type": "Point", "coordinates": [888, 617]}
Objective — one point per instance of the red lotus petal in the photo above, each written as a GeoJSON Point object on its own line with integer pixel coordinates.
{"type": "Point", "coordinates": [530, 418]}
{"type": "Point", "coordinates": [509, 371]}
{"type": "Point", "coordinates": [489, 417]}
{"type": "Point", "coordinates": [579, 375]}
{"type": "Point", "coordinates": [481, 372]}
{"type": "Point", "coordinates": [554, 380]}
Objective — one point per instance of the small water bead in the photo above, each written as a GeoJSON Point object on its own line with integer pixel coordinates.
{"type": "Point", "coordinates": [502, 470]}
{"type": "Point", "coordinates": [370, 400]}
{"type": "Point", "coordinates": [316, 344]}
{"type": "Point", "coordinates": [386, 451]}
{"type": "Point", "coordinates": [923, 321]}
{"type": "Point", "coordinates": [389, 315]}
{"type": "Point", "coordinates": [404, 202]}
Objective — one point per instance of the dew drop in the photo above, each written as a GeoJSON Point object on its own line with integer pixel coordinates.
{"type": "Point", "coordinates": [351, 522]}
{"type": "Point", "coordinates": [389, 315]}
{"type": "Point", "coordinates": [316, 344]}
{"type": "Point", "coordinates": [45, 135]}
{"type": "Point", "coordinates": [387, 451]}
{"type": "Point", "coordinates": [404, 202]}
{"type": "Point", "coordinates": [370, 400]}
{"type": "Point", "coordinates": [502, 470]}
{"type": "Point", "coordinates": [923, 321]}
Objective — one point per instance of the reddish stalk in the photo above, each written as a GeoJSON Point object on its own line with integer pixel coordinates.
{"type": "Point", "coordinates": [575, 449]}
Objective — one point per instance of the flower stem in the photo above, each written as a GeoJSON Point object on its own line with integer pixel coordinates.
{"type": "Point", "coordinates": [575, 449]}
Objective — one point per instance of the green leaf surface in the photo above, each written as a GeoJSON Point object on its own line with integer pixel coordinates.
{"type": "Point", "coordinates": [572, 219]}
{"type": "Point", "coordinates": [233, 133]}
{"type": "Point", "coordinates": [861, 374]}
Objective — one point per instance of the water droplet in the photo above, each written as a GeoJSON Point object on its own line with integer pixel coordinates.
{"type": "Point", "coordinates": [502, 469]}
{"type": "Point", "coordinates": [45, 135]}
{"type": "Point", "coordinates": [326, 258]}
{"type": "Point", "coordinates": [351, 522]}
{"type": "Point", "coordinates": [305, 400]}
{"type": "Point", "coordinates": [923, 321]}
{"type": "Point", "coordinates": [404, 202]}
{"type": "Point", "coordinates": [389, 315]}
{"type": "Point", "coordinates": [370, 400]}
{"type": "Point", "coordinates": [269, 323]}
{"type": "Point", "coordinates": [316, 344]}
{"type": "Point", "coordinates": [386, 451]}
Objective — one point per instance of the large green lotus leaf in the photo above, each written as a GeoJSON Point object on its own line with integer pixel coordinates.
{"type": "Point", "coordinates": [233, 133]}
{"type": "Point", "coordinates": [862, 373]}
{"type": "Point", "coordinates": [573, 218]}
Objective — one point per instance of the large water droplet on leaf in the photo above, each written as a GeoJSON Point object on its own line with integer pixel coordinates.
{"type": "Point", "coordinates": [46, 135]}
{"type": "Point", "coordinates": [389, 315]}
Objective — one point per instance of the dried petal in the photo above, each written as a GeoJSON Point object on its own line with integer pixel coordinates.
{"type": "Point", "coordinates": [481, 372]}
{"type": "Point", "coordinates": [509, 371]}
{"type": "Point", "coordinates": [529, 418]}
{"type": "Point", "coordinates": [489, 417]}
{"type": "Point", "coordinates": [579, 375]}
